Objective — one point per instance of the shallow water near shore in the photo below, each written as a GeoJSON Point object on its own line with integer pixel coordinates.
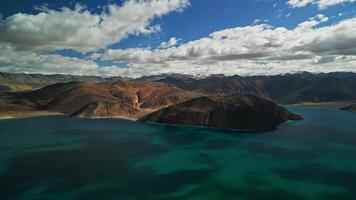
{"type": "Point", "coordinates": [57, 157]}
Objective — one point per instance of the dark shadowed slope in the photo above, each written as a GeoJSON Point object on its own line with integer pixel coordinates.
{"type": "Point", "coordinates": [231, 112]}
{"type": "Point", "coordinates": [351, 108]}
{"type": "Point", "coordinates": [285, 89]}
{"type": "Point", "coordinates": [4, 88]}
{"type": "Point", "coordinates": [214, 84]}
{"type": "Point", "coordinates": [313, 88]}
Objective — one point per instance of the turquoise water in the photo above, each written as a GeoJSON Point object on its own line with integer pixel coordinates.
{"type": "Point", "coordinates": [57, 157]}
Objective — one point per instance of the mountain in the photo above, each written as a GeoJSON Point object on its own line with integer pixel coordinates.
{"type": "Point", "coordinates": [294, 89]}
{"type": "Point", "coordinates": [20, 82]}
{"type": "Point", "coordinates": [122, 98]}
{"type": "Point", "coordinates": [4, 88]}
{"type": "Point", "coordinates": [155, 102]}
{"type": "Point", "coordinates": [163, 76]}
{"type": "Point", "coordinates": [284, 89]}
{"type": "Point", "coordinates": [231, 112]}
{"type": "Point", "coordinates": [219, 84]}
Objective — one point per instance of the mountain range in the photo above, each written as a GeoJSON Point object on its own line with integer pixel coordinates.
{"type": "Point", "coordinates": [249, 103]}
{"type": "Point", "coordinates": [21, 81]}
{"type": "Point", "coordinates": [284, 89]}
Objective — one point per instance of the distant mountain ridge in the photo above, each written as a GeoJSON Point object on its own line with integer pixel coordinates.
{"type": "Point", "coordinates": [163, 76]}
{"type": "Point", "coordinates": [284, 89]}
{"type": "Point", "coordinates": [21, 81]}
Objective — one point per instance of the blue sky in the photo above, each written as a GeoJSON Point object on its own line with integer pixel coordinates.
{"type": "Point", "coordinates": [194, 21]}
{"type": "Point", "coordinates": [201, 18]}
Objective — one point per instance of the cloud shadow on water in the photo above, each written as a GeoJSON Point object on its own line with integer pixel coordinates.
{"type": "Point", "coordinates": [321, 174]}
{"type": "Point", "coordinates": [102, 159]}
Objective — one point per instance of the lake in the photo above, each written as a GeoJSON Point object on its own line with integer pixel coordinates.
{"type": "Point", "coordinates": [58, 157]}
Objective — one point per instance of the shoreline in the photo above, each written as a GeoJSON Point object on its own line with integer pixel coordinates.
{"type": "Point", "coordinates": [29, 114]}
{"type": "Point", "coordinates": [26, 114]}
{"type": "Point", "coordinates": [112, 117]}
{"type": "Point", "coordinates": [332, 104]}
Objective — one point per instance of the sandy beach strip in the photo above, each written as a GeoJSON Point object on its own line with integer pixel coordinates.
{"type": "Point", "coordinates": [25, 114]}
{"type": "Point", "coordinates": [332, 105]}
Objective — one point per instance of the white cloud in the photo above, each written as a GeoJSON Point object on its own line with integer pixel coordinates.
{"type": "Point", "coordinates": [256, 21]}
{"type": "Point", "coordinates": [257, 49]}
{"type": "Point", "coordinates": [32, 62]}
{"type": "Point", "coordinates": [170, 43]}
{"type": "Point", "coordinates": [79, 29]}
{"type": "Point", "coordinates": [242, 67]}
{"type": "Point", "coordinates": [299, 3]}
{"type": "Point", "coordinates": [26, 39]}
{"type": "Point", "coordinates": [259, 21]}
{"type": "Point", "coordinates": [250, 42]}
{"type": "Point", "coordinates": [322, 4]}
{"type": "Point", "coordinates": [314, 21]}
{"type": "Point", "coordinates": [251, 50]}
{"type": "Point", "coordinates": [327, 3]}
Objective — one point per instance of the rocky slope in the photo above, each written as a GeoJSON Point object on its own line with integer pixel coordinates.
{"type": "Point", "coordinates": [231, 112]}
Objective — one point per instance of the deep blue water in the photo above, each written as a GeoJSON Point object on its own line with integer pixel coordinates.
{"type": "Point", "coordinates": [58, 157]}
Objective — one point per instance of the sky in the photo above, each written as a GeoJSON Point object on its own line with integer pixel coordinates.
{"type": "Point", "coordinates": [135, 38]}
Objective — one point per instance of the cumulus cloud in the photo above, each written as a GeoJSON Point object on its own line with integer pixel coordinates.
{"type": "Point", "coordinates": [26, 42]}
{"type": "Point", "coordinates": [243, 67]}
{"type": "Point", "coordinates": [250, 42]}
{"type": "Point", "coordinates": [80, 30]}
{"type": "Point", "coordinates": [31, 62]}
{"type": "Point", "coordinates": [299, 3]}
{"type": "Point", "coordinates": [253, 49]}
{"type": "Point", "coordinates": [322, 4]}
{"type": "Point", "coordinates": [170, 43]}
